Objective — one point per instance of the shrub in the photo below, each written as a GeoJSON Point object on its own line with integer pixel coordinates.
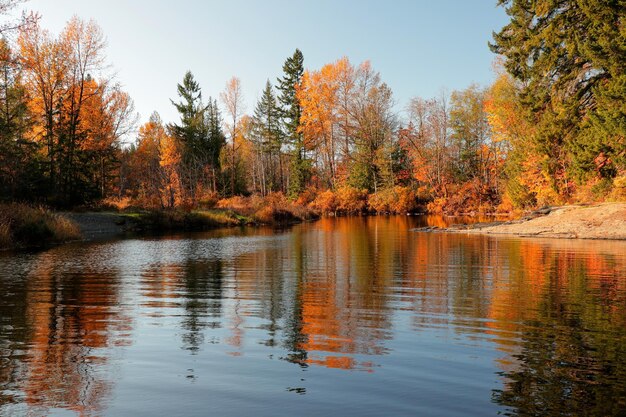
{"type": "Point", "coordinates": [116, 203]}
{"type": "Point", "coordinates": [471, 197]}
{"type": "Point", "coordinates": [207, 199]}
{"type": "Point", "coordinates": [306, 197]}
{"type": "Point", "coordinates": [351, 200]}
{"type": "Point", "coordinates": [619, 189]}
{"type": "Point", "coordinates": [398, 200]}
{"type": "Point", "coordinates": [405, 200]}
{"type": "Point", "coordinates": [25, 226]}
{"type": "Point", "coordinates": [380, 201]}
{"type": "Point", "coordinates": [326, 202]}
{"type": "Point", "coordinates": [273, 208]}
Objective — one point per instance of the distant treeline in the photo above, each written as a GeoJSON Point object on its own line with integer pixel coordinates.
{"type": "Point", "coordinates": [550, 129]}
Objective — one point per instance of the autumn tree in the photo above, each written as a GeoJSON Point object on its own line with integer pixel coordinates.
{"type": "Point", "coordinates": [45, 65]}
{"type": "Point", "coordinates": [107, 117]}
{"type": "Point", "coordinates": [317, 94]}
{"type": "Point", "coordinates": [232, 99]}
{"type": "Point", "coordinates": [79, 113]}
{"type": "Point", "coordinates": [512, 136]}
{"type": "Point", "coordinates": [427, 138]}
{"type": "Point", "coordinates": [143, 176]}
{"type": "Point", "coordinates": [25, 20]}
{"type": "Point", "coordinates": [370, 138]}
{"type": "Point", "coordinates": [171, 152]}
{"type": "Point", "coordinates": [19, 169]}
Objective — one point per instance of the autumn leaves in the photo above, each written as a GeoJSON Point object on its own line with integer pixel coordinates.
{"type": "Point", "coordinates": [63, 114]}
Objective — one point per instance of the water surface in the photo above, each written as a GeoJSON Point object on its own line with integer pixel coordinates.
{"type": "Point", "coordinates": [349, 316]}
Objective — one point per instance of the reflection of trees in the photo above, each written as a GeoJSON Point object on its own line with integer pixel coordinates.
{"type": "Point", "coordinates": [556, 309]}
{"type": "Point", "coordinates": [70, 314]}
{"type": "Point", "coordinates": [13, 333]}
{"type": "Point", "coordinates": [570, 312]}
{"type": "Point", "coordinates": [325, 294]}
{"type": "Point", "coordinates": [294, 336]}
{"type": "Point", "coordinates": [344, 292]}
{"type": "Point", "coordinates": [203, 301]}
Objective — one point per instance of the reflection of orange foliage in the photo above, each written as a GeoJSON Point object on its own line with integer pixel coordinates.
{"type": "Point", "coordinates": [66, 336]}
{"type": "Point", "coordinates": [339, 362]}
{"type": "Point", "coordinates": [539, 271]}
{"type": "Point", "coordinates": [343, 306]}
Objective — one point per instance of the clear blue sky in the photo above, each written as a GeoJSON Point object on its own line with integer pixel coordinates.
{"type": "Point", "coordinates": [418, 46]}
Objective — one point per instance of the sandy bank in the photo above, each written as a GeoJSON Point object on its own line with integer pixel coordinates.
{"type": "Point", "coordinates": [600, 221]}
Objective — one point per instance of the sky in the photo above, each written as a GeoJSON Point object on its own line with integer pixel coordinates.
{"type": "Point", "coordinates": [419, 46]}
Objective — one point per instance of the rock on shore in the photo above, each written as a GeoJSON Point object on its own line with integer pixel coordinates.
{"type": "Point", "coordinates": [599, 221]}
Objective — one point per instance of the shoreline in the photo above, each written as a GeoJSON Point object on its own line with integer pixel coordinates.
{"type": "Point", "coordinates": [604, 221]}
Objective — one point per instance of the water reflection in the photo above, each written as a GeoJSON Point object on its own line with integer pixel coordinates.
{"type": "Point", "coordinates": [510, 326]}
{"type": "Point", "coordinates": [58, 329]}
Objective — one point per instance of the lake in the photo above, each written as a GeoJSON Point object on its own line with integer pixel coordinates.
{"type": "Point", "coordinates": [341, 317]}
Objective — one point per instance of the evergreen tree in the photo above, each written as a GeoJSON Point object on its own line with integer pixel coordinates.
{"type": "Point", "coordinates": [291, 111]}
{"type": "Point", "coordinates": [569, 56]}
{"type": "Point", "coordinates": [200, 135]}
{"type": "Point", "coordinates": [215, 137]}
{"type": "Point", "coordinates": [190, 130]}
{"type": "Point", "coordinates": [268, 136]}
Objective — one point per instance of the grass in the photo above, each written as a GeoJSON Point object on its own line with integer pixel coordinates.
{"type": "Point", "coordinates": [176, 219]}
{"type": "Point", "coordinates": [273, 209]}
{"type": "Point", "coordinates": [24, 226]}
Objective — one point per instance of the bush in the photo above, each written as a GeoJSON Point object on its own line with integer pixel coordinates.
{"type": "Point", "coordinates": [471, 197]}
{"type": "Point", "coordinates": [326, 203]}
{"type": "Point", "coordinates": [400, 200]}
{"type": "Point", "coordinates": [176, 219]}
{"type": "Point", "coordinates": [271, 209]}
{"type": "Point", "coordinates": [207, 199]}
{"type": "Point", "coordinates": [619, 189]}
{"type": "Point", "coordinates": [25, 226]}
{"type": "Point", "coordinates": [115, 203]}
{"type": "Point", "coordinates": [351, 200]}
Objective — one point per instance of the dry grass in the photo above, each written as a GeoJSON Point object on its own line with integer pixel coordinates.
{"type": "Point", "coordinates": [25, 226]}
{"type": "Point", "coordinates": [177, 219]}
{"type": "Point", "coordinates": [115, 203]}
{"type": "Point", "coordinates": [274, 208]}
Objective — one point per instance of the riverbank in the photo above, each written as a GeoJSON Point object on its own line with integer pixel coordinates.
{"type": "Point", "coordinates": [598, 221]}
{"type": "Point", "coordinates": [109, 225]}
{"type": "Point", "coordinates": [27, 227]}
{"type": "Point", "coordinates": [23, 226]}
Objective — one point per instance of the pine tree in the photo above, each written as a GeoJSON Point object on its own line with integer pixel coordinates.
{"type": "Point", "coordinates": [191, 112]}
{"type": "Point", "coordinates": [569, 56]}
{"type": "Point", "coordinates": [268, 135]}
{"type": "Point", "coordinates": [200, 135]}
{"type": "Point", "coordinates": [215, 138]}
{"type": "Point", "coordinates": [291, 111]}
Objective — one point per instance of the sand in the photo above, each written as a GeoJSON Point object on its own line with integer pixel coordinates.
{"type": "Point", "coordinates": [599, 221]}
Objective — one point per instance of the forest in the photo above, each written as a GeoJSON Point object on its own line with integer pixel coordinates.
{"type": "Point", "coordinates": [550, 129]}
